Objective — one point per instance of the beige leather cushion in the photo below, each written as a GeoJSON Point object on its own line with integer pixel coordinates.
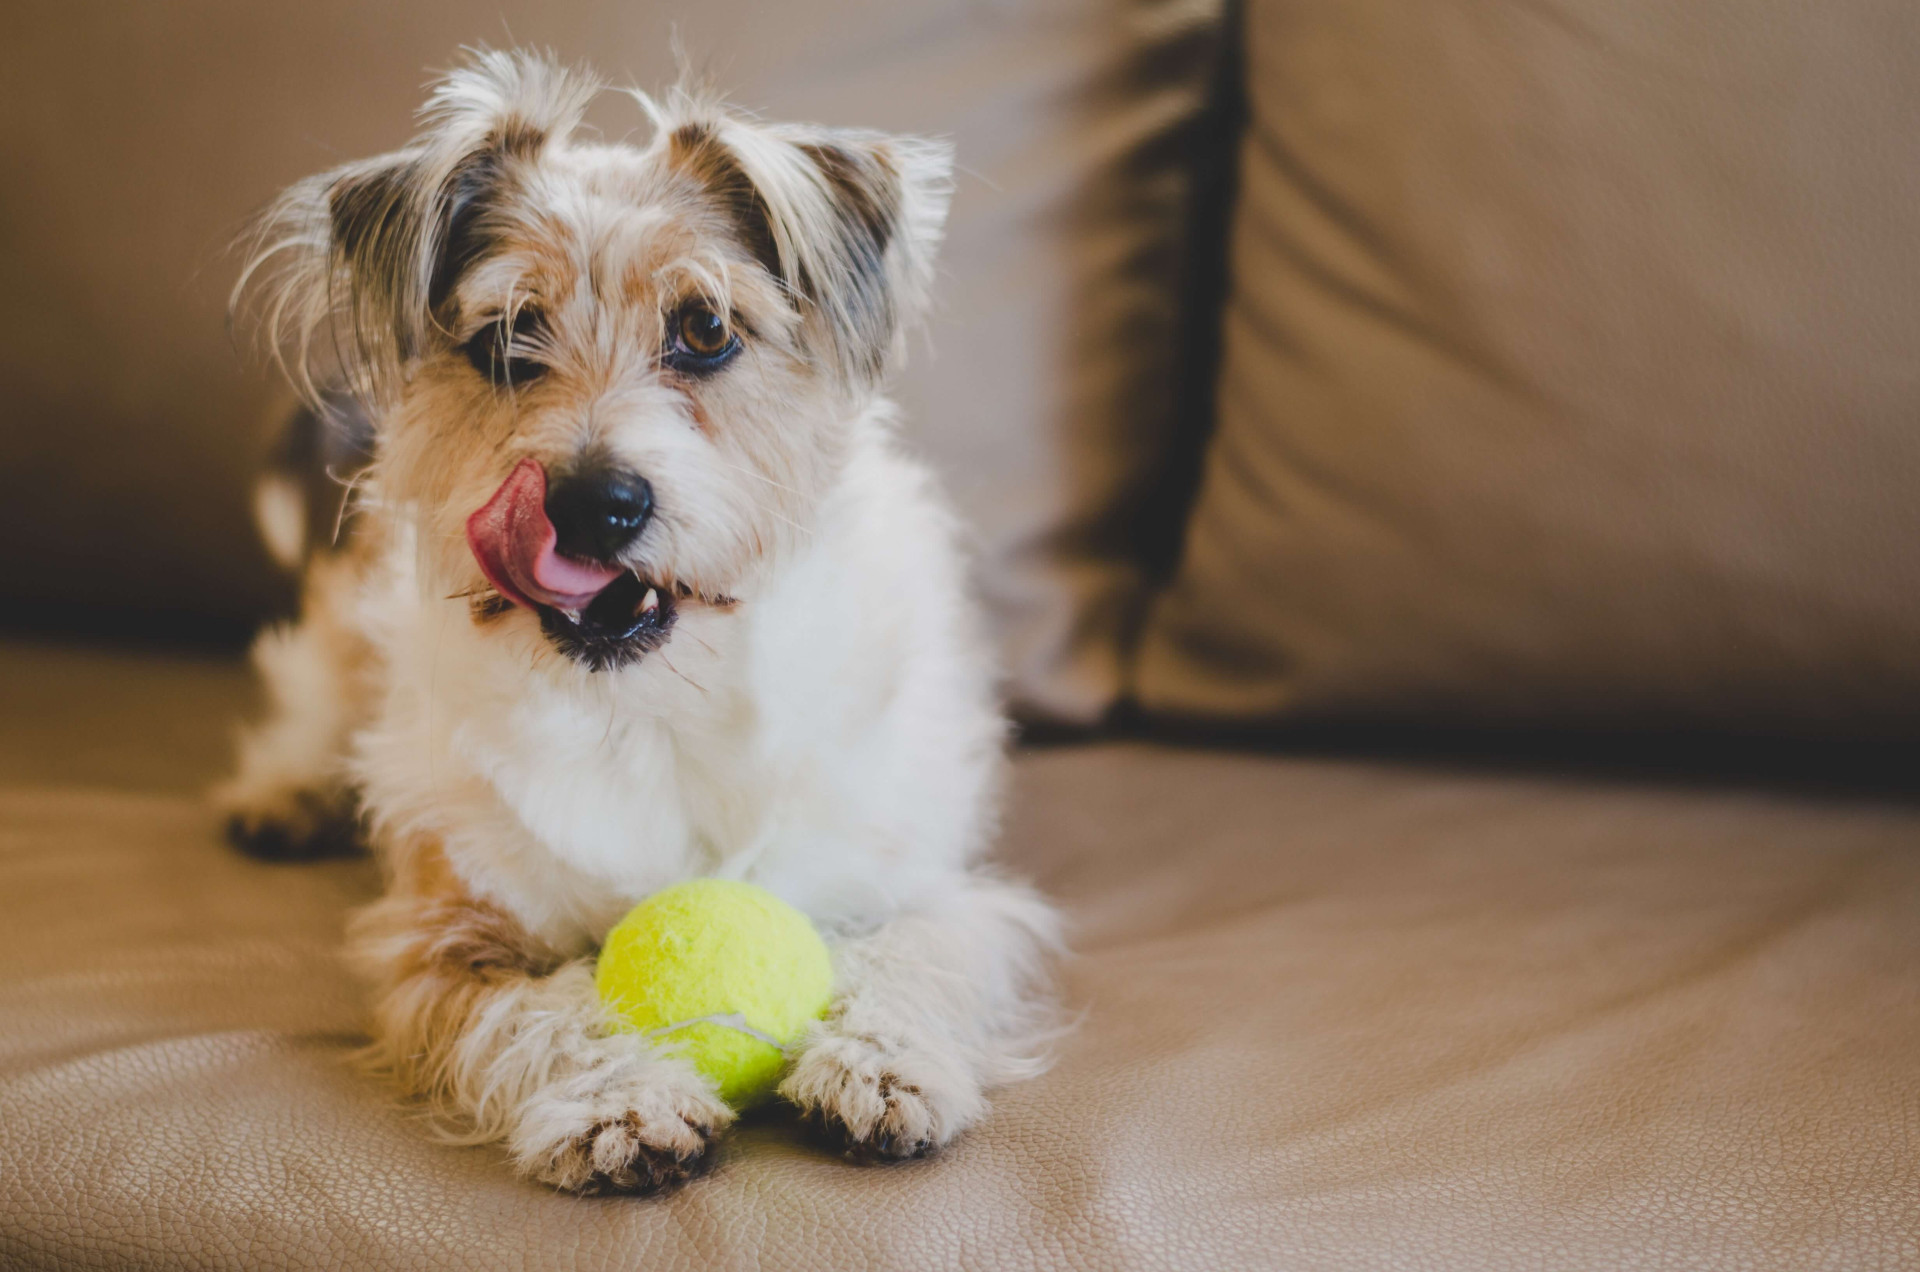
{"type": "Point", "coordinates": [1369, 1015]}
{"type": "Point", "coordinates": [1573, 371]}
{"type": "Point", "coordinates": [141, 137]}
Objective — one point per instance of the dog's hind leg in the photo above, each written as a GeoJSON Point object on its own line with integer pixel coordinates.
{"type": "Point", "coordinates": [289, 797]}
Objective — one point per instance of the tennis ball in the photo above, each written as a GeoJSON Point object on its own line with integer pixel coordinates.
{"type": "Point", "coordinates": [723, 973]}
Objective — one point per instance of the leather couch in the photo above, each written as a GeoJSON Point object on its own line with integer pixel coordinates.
{"type": "Point", "coordinates": [1443, 483]}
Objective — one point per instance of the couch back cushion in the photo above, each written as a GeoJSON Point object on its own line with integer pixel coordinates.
{"type": "Point", "coordinates": [141, 139]}
{"type": "Point", "coordinates": [1572, 372]}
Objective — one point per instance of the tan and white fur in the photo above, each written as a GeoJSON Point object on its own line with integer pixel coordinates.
{"type": "Point", "coordinates": [819, 718]}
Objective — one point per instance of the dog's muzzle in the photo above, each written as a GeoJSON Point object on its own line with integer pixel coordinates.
{"type": "Point", "coordinates": [555, 551]}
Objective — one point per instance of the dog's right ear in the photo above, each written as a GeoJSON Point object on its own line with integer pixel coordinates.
{"type": "Point", "coordinates": [374, 249]}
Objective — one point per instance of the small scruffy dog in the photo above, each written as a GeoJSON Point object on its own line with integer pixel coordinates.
{"type": "Point", "coordinates": [638, 588]}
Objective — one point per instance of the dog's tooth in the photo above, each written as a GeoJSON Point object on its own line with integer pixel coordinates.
{"type": "Point", "coordinates": [650, 602]}
{"type": "Point", "coordinates": [573, 616]}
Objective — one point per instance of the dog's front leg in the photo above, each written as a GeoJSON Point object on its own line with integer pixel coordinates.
{"type": "Point", "coordinates": [931, 1011]}
{"type": "Point", "coordinates": [509, 1039]}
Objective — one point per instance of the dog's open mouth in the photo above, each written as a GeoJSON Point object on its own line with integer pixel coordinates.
{"type": "Point", "coordinates": [629, 617]}
{"type": "Point", "coordinates": [596, 613]}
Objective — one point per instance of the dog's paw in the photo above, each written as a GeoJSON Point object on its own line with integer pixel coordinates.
{"type": "Point", "coordinates": [642, 1135]}
{"type": "Point", "coordinates": [875, 1102]}
{"type": "Point", "coordinates": [295, 825]}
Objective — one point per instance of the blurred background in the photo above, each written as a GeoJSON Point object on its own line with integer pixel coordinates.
{"type": "Point", "coordinates": [1569, 372]}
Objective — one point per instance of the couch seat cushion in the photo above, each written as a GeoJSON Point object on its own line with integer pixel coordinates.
{"type": "Point", "coordinates": [1337, 1013]}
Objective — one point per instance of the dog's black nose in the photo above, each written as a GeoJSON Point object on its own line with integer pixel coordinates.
{"type": "Point", "coordinates": [597, 512]}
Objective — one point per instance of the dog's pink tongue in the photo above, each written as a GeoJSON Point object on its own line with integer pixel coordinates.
{"type": "Point", "coordinates": [513, 541]}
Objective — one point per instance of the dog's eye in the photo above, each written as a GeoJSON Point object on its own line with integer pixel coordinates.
{"type": "Point", "coordinates": [699, 340]}
{"type": "Point", "coordinates": [702, 332]}
{"type": "Point", "coordinates": [503, 352]}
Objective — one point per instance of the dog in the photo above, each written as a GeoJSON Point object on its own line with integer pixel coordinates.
{"type": "Point", "coordinates": [636, 585]}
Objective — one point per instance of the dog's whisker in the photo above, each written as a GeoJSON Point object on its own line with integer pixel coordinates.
{"type": "Point", "coordinates": [741, 468]}
{"type": "Point", "coordinates": [798, 528]}
{"type": "Point", "coordinates": [676, 671]}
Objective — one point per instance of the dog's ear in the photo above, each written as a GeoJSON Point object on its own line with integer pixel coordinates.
{"type": "Point", "coordinates": [848, 221]}
{"type": "Point", "coordinates": [375, 248]}
{"type": "Point", "coordinates": [889, 197]}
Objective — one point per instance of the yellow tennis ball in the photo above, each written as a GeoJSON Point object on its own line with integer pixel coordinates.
{"type": "Point", "coordinates": [723, 973]}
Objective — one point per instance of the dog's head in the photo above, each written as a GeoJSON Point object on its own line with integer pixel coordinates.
{"type": "Point", "coordinates": [609, 381]}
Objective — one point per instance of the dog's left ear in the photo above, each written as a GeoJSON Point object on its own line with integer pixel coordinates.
{"type": "Point", "coordinates": [889, 196]}
{"type": "Point", "coordinates": [848, 220]}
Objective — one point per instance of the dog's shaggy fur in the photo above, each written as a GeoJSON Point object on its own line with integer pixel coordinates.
{"type": "Point", "coordinates": [811, 707]}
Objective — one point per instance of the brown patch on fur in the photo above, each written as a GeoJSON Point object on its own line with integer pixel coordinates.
{"type": "Point", "coordinates": [516, 135]}
{"type": "Point", "coordinates": [697, 150]}
{"type": "Point", "coordinates": [437, 955]}
{"type": "Point", "coordinates": [451, 932]}
{"type": "Point", "coordinates": [474, 938]}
